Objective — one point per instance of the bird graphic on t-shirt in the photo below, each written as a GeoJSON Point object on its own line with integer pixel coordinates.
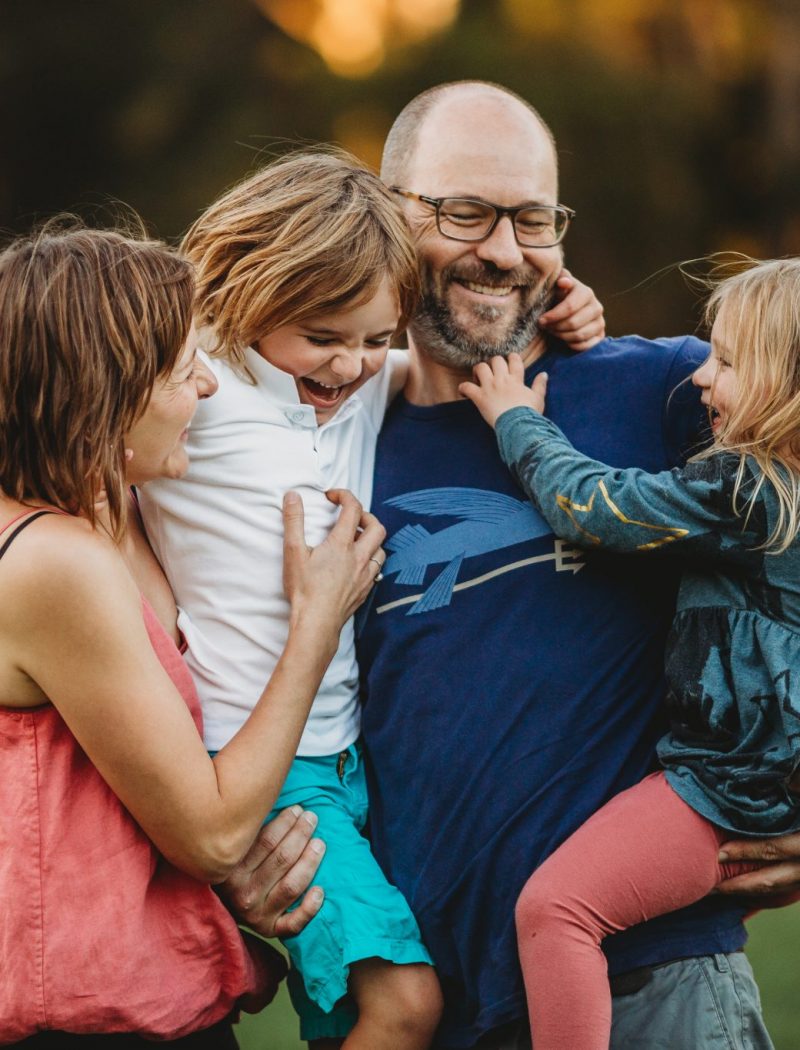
{"type": "Point", "coordinates": [491, 522]}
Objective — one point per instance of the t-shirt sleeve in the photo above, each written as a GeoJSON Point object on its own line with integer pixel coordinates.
{"type": "Point", "coordinates": [687, 509]}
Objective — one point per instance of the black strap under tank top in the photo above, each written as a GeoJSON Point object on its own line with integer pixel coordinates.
{"type": "Point", "coordinates": [22, 525]}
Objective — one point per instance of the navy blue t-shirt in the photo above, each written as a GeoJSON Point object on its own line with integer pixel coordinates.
{"type": "Point", "coordinates": [512, 682]}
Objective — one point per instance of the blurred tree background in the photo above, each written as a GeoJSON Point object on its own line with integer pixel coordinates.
{"type": "Point", "coordinates": [678, 121]}
{"type": "Point", "coordinates": [678, 124]}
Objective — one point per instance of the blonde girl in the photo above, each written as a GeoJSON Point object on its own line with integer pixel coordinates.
{"type": "Point", "coordinates": [733, 656]}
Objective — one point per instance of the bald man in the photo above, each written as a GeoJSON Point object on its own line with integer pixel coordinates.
{"type": "Point", "coordinates": [513, 683]}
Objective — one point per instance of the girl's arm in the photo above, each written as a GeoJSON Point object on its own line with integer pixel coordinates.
{"type": "Point", "coordinates": [77, 631]}
{"type": "Point", "coordinates": [592, 504]}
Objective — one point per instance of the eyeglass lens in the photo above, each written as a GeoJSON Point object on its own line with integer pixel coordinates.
{"type": "Point", "coordinates": [466, 220]}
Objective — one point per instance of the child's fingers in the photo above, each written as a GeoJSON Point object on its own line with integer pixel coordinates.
{"type": "Point", "coordinates": [515, 367]}
{"type": "Point", "coordinates": [539, 386]}
{"type": "Point", "coordinates": [482, 373]}
{"type": "Point", "coordinates": [585, 315]}
{"type": "Point", "coordinates": [469, 390]}
{"type": "Point", "coordinates": [499, 367]}
{"type": "Point", "coordinates": [565, 281]}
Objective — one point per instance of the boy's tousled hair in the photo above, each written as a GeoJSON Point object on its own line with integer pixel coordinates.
{"type": "Point", "coordinates": [310, 233]}
{"type": "Point", "coordinates": [89, 319]}
{"type": "Point", "coordinates": [760, 308]}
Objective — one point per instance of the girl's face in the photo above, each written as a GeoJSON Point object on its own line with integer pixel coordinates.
{"type": "Point", "coordinates": [717, 378]}
{"type": "Point", "coordinates": [158, 438]}
{"type": "Point", "coordinates": [332, 355]}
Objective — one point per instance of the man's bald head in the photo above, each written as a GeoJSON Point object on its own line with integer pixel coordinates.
{"type": "Point", "coordinates": [401, 142]}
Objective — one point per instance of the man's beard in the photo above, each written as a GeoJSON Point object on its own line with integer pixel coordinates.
{"type": "Point", "coordinates": [437, 333]}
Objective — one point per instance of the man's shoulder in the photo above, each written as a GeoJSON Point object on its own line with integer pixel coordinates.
{"type": "Point", "coordinates": [665, 351]}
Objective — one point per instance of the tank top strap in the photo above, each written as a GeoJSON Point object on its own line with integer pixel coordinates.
{"type": "Point", "coordinates": [22, 525]}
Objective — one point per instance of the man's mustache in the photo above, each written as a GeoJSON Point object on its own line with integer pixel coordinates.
{"type": "Point", "coordinates": [491, 276]}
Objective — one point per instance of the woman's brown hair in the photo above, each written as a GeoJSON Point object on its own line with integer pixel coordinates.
{"type": "Point", "coordinates": [88, 320]}
{"type": "Point", "coordinates": [310, 233]}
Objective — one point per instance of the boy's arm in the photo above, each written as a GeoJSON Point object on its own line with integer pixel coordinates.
{"type": "Point", "coordinates": [591, 504]}
{"type": "Point", "coordinates": [577, 318]}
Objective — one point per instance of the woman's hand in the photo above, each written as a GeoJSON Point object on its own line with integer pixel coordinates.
{"type": "Point", "coordinates": [500, 385]}
{"type": "Point", "coordinates": [331, 581]}
{"type": "Point", "coordinates": [274, 873]}
{"type": "Point", "coordinates": [578, 318]}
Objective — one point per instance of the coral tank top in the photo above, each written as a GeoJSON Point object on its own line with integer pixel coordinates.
{"type": "Point", "coordinates": [98, 933]}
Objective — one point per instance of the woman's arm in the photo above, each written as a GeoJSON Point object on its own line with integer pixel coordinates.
{"type": "Point", "coordinates": [78, 632]}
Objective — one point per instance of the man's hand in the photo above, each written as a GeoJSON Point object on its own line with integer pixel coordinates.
{"type": "Point", "coordinates": [578, 318]}
{"type": "Point", "coordinates": [276, 870]}
{"type": "Point", "coordinates": [779, 879]}
{"type": "Point", "coordinates": [500, 385]}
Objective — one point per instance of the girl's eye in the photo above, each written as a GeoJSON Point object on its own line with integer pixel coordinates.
{"type": "Point", "coordinates": [379, 344]}
{"type": "Point", "coordinates": [319, 340]}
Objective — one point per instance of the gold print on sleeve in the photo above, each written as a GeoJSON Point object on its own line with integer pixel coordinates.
{"type": "Point", "coordinates": [571, 509]}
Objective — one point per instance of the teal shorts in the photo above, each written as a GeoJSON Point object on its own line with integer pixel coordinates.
{"type": "Point", "coordinates": [362, 917]}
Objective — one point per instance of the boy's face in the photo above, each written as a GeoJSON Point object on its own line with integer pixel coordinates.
{"type": "Point", "coordinates": [332, 355]}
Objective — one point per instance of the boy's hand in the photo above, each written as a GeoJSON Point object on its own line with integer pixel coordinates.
{"type": "Point", "coordinates": [578, 317]}
{"type": "Point", "coordinates": [500, 385]}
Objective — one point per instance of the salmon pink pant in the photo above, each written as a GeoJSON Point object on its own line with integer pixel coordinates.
{"type": "Point", "coordinates": [646, 852]}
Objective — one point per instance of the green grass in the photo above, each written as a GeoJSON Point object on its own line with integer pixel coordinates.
{"type": "Point", "coordinates": [773, 948]}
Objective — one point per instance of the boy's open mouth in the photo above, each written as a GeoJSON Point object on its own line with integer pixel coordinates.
{"type": "Point", "coordinates": [319, 395]}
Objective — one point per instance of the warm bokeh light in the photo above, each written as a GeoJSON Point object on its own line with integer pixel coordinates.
{"type": "Point", "coordinates": [719, 36]}
{"type": "Point", "coordinates": [351, 35]}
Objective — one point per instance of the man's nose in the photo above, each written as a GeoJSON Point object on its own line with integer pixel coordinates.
{"type": "Point", "coordinates": [501, 247]}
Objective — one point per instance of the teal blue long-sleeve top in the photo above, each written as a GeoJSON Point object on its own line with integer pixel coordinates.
{"type": "Point", "coordinates": [733, 654]}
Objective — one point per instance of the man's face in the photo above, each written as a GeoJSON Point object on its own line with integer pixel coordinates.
{"type": "Point", "coordinates": [481, 298]}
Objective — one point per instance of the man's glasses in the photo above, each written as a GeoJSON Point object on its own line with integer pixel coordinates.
{"type": "Point", "coordinates": [461, 219]}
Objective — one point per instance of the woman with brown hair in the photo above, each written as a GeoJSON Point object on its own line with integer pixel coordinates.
{"type": "Point", "coordinates": [113, 816]}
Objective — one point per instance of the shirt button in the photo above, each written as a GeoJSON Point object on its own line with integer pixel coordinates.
{"type": "Point", "coordinates": [298, 417]}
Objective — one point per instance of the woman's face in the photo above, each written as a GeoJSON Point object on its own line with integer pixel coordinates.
{"type": "Point", "coordinates": [156, 444]}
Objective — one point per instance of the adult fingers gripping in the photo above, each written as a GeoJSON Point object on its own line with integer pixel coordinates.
{"type": "Point", "coordinates": [359, 526]}
{"type": "Point", "coordinates": [781, 865]}
{"type": "Point", "coordinates": [277, 870]}
{"type": "Point", "coordinates": [295, 550]}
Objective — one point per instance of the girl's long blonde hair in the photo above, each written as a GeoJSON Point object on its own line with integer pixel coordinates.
{"type": "Point", "coordinates": [760, 310]}
{"type": "Point", "coordinates": [311, 233]}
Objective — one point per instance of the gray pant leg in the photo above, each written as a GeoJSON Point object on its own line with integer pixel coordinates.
{"type": "Point", "coordinates": [707, 1003]}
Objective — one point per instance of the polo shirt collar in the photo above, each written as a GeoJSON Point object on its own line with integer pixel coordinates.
{"type": "Point", "coordinates": [280, 390]}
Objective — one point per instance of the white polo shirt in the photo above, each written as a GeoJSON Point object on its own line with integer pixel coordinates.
{"type": "Point", "coordinates": [218, 532]}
